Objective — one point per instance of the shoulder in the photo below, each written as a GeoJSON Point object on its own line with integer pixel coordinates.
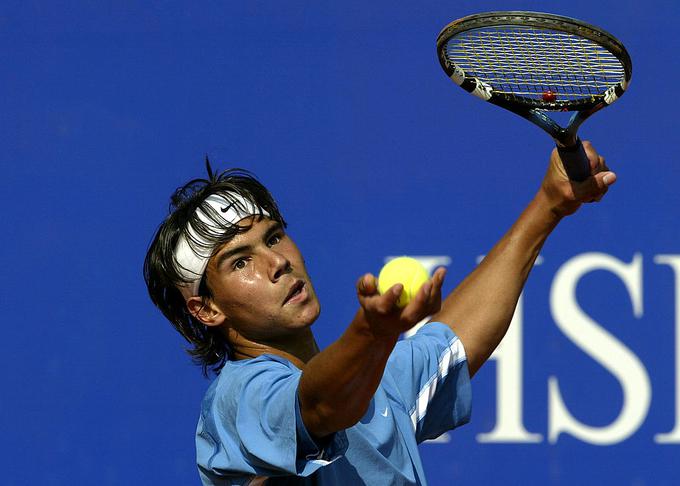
{"type": "Point", "coordinates": [239, 379]}
{"type": "Point", "coordinates": [238, 372]}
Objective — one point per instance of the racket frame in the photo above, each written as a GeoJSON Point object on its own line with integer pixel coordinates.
{"type": "Point", "coordinates": [533, 109]}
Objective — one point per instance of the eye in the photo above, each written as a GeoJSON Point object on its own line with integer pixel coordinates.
{"type": "Point", "coordinates": [275, 238]}
{"type": "Point", "coordinates": [239, 264]}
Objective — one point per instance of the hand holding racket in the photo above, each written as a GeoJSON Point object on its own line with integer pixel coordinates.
{"type": "Point", "coordinates": [531, 63]}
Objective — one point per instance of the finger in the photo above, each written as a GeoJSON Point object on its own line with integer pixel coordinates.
{"type": "Point", "coordinates": [416, 310]}
{"type": "Point", "coordinates": [600, 165]}
{"type": "Point", "coordinates": [387, 302]}
{"type": "Point", "coordinates": [419, 300]}
{"type": "Point", "coordinates": [426, 302]}
{"type": "Point", "coordinates": [423, 295]}
{"type": "Point", "coordinates": [435, 297]}
{"type": "Point", "coordinates": [605, 167]}
{"type": "Point", "coordinates": [381, 304]}
{"type": "Point", "coordinates": [593, 156]}
{"type": "Point", "coordinates": [437, 282]}
{"type": "Point", "coordinates": [438, 279]}
{"type": "Point", "coordinates": [367, 285]}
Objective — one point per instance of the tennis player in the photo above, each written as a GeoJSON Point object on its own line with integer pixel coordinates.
{"type": "Point", "coordinates": [230, 279]}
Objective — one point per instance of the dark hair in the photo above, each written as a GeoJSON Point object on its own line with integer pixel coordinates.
{"type": "Point", "coordinates": [162, 272]}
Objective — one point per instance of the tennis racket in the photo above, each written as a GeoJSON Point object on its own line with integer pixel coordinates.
{"type": "Point", "coordinates": [534, 63]}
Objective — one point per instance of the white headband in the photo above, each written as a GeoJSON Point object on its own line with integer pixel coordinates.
{"type": "Point", "coordinates": [192, 257]}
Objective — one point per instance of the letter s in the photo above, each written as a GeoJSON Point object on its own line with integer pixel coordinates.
{"type": "Point", "coordinates": [602, 346]}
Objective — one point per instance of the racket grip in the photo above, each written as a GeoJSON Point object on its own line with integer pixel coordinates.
{"type": "Point", "coordinates": [575, 161]}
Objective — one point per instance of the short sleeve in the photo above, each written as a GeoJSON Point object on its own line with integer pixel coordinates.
{"type": "Point", "coordinates": [252, 425]}
{"type": "Point", "coordinates": [431, 374]}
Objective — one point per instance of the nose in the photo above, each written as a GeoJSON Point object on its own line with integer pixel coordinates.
{"type": "Point", "coordinates": [279, 265]}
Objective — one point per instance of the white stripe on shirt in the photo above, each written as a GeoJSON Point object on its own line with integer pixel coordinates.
{"type": "Point", "coordinates": [452, 355]}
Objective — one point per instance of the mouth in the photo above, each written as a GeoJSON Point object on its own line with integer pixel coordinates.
{"type": "Point", "coordinates": [297, 293]}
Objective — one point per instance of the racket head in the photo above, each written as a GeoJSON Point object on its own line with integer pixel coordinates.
{"type": "Point", "coordinates": [528, 61]}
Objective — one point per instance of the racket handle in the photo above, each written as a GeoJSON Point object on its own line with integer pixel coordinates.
{"type": "Point", "coordinates": [575, 161]}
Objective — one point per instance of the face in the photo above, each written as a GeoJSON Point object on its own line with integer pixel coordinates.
{"type": "Point", "coordinates": [260, 284]}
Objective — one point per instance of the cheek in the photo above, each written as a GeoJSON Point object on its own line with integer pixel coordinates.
{"type": "Point", "coordinates": [239, 294]}
{"type": "Point", "coordinates": [292, 252]}
{"type": "Point", "coordinates": [237, 284]}
{"type": "Point", "coordinates": [252, 316]}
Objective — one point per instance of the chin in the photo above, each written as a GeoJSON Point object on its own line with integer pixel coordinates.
{"type": "Point", "coordinates": [309, 317]}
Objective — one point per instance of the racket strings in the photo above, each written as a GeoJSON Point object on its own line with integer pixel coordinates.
{"type": "Point", "coordinates": [530, 62]}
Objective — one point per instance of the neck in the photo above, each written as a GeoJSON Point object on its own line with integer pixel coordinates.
{"type": "Point", "coordinates": [298, 349]}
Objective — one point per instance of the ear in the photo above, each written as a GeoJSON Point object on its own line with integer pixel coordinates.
{"type": "Point", "coordinates": [206, 311]}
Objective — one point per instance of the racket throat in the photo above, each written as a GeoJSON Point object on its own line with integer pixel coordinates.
{"type": "Point", "coordinates": [567, 137]}
{"type": "Point", "coordinates": [564, 137]}
{"type": "Point", "coordinates": [567, 140]}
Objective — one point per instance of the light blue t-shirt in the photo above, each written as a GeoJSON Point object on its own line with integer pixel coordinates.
{"type": "Point", "coordinates": [251, 432]}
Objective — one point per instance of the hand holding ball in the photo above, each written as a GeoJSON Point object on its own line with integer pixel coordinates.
{"type": "Point", "coordinates": [404, 270]}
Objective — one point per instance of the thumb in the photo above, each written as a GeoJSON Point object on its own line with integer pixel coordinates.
{"type": "Point", "coordinates": [604, 179]}
{"type": "Point", "coordinates": [593, 188]}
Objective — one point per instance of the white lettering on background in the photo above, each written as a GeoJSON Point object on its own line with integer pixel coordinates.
{"type": "Point", "coordinates": [673, 437]}
{"type": "Point", "coordinates": [589, 336]}
{"type": "Point", "coordinates": [600, 345]}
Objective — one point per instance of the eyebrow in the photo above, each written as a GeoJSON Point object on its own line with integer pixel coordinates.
{"type": "Point", "coordinates": [275, 228]}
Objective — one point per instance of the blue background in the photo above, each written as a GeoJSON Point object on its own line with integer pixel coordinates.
{"type": "Point", "coordinates": [342, 110]}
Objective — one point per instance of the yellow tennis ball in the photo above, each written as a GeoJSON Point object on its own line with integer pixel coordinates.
{"type": "Point", "coordinates": [404, 270]}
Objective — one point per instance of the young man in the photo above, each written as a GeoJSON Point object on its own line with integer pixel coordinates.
{"type": "Point", "coordinates": [225, 273]}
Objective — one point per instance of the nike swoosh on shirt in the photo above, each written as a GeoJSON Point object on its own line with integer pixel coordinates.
{"type": "Point", "coordinates": [385, 413]}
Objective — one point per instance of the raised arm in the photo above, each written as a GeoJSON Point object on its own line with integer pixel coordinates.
{"type": "Point", "coordinates": [480, 309]}
{"type": "Point", "coordinates": [338, 383]}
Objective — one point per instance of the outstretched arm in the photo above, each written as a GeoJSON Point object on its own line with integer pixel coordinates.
{"type": "Point", "coordinates": [338, 384]}
{"type": "Point", "coordinates": [480, 309]}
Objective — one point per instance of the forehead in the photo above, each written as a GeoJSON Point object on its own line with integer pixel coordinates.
{"type": "Point", "coordinates": [254, 228]}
